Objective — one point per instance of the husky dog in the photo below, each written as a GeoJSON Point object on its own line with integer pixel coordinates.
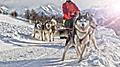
{"type": "Point", "coordinates": [52, 31]}
{"type": "Point", "coordinates": [37, 28]}
{"type": "Point", "coordinates": [81, 35]}
{"type": "Point", "coordinates": [46, 30]}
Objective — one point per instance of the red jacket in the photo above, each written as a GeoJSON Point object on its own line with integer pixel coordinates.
{"type": "Point", "coordinates": [69, 9]}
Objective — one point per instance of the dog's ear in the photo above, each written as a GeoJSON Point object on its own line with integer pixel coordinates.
{"type": "Point", "coordinates": [78, 16]}
{"type": "Point", "coordinates": [87, 15]}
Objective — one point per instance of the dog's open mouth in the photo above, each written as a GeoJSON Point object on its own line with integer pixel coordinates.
{"type": "Point", "coordinates": [83, 28]}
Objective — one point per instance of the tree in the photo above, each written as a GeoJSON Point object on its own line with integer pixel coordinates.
{"type": "Point", "coordinates": [14, 14]}
{"type": "Point", "coordinates": [27, 14]}
{"type": "Point", "coordinates": [33, 15]}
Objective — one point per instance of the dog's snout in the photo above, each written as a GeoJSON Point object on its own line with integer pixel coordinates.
{"type": "Point", "coordinates": [83, 25]}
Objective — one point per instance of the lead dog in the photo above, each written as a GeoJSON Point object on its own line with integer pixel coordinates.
{"type": "Point", "coordinates": [81, 35]}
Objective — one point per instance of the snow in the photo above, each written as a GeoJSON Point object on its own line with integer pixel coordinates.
{"type": "Point", "coordinates": [4, 8]}
{"type": "Point", "coordinates": [19, 49]}
{"type": "Point", "coordinates": [11, 20]}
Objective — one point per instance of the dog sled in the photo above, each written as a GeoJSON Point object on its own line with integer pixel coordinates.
{"type": "Point", "coordinates": [63, 32]}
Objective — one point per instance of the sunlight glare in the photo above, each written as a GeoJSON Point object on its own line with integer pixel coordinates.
{"type": "Point", "coordinates": [115, 5]}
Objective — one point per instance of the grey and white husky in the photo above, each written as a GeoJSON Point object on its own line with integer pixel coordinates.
{"type": "Point", "coordinates": [81, 35]}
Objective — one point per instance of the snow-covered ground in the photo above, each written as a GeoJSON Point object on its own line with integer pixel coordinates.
{"type": "Point", "coordinates": [19, 49]}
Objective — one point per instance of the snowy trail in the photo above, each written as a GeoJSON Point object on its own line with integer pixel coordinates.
{"type": "Point", "coordinates": [19, 49]}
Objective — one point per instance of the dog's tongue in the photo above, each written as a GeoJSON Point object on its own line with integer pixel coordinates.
{"type": "Point", "coordinates": [82, 28]}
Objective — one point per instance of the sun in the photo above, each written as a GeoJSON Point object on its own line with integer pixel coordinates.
{"type": "Point", "coordinates": [115, 5]}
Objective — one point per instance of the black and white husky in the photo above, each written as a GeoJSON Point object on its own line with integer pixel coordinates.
{"type": "Point", "coordinates": [81, 35]}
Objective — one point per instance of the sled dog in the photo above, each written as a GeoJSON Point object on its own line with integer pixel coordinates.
{"type": "Point", "coordinates": [81, 35]}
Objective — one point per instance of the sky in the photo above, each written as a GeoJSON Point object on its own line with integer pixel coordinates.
{"type": "Point", "coordinates": [82, 4]}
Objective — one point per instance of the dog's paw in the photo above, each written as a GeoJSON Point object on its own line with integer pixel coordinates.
{"type": "Point", "coordinates": [97, 48]}
{"type": "Point", "coordinates": [62, 59]}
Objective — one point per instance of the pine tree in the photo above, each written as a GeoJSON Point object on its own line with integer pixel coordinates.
{"type": "Point", "coordinates": [33, 14]}
{"type": "Point", "coordinates": [14, 14]}
{"type": "Point", "coordinates": [27, 14]}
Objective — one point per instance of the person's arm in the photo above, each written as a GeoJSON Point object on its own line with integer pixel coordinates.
{"type": "Point", "coordinates": [76, 9]}
{"type": "Point", "coordinates": [64, 8]}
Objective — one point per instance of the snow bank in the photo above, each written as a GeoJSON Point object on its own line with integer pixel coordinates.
{"type": "Point", "coordinates": [11, 20]}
